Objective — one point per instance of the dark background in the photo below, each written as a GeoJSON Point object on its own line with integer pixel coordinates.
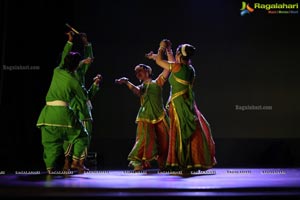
{"type": "Point", "coordinates": [240, 60]}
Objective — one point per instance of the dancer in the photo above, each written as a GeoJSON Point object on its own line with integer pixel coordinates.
{"type": "Point", "coordinates": [152, 121]}
{"type": "Point", "coordinates": [57, 121]}
{"type": "Point", "coordinates": [191, 146]}
{"type": "Point", "coordinates": [85, 117]}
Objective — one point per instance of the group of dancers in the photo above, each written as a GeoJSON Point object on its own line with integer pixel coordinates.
{"type": "Point", "coordinates": [177, 137]}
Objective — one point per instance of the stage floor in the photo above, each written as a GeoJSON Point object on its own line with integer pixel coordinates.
{"type": "Point", "coordinates": [218, 183]}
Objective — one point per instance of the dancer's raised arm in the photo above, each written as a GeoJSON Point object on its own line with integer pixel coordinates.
{"type": "Point", "coordinates": [131, 86]}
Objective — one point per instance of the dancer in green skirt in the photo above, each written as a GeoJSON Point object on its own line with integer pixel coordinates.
{"type": "Point", "coordinates": [191, 145]}
{"type": "Point", "coordinates": [152, 121]}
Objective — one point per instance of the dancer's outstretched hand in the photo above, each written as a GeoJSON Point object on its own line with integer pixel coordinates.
{"type": "Point", "coordinates": [168, 43]}
{"type": "Point", "coordinates": [151, 55]}
{"type": "Point", "coordinates": [97, 79]}
{"type": "Point", "coordinates": [165, 43]}
{"type": "Point", "coordinates": [122, 80]}
{"type": "Point", "coordinates": [87, 61]}
{"type": "Point", "coordinates": [70, 35]}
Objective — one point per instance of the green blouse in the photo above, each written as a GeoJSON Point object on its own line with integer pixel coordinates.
{"type": "Point", "coordinates": [151, 109]}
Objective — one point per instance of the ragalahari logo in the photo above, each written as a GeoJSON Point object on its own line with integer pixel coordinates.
{"type": "Point", "coordinates": [246, 9]}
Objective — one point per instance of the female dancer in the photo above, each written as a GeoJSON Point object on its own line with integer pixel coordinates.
{"type": "Point", "coordinates": [152, 121]}
{"type": "Point", "coordinates": [191, 146]}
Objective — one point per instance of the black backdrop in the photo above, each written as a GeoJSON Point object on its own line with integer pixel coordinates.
{"type": "Point", "coordinates": [240, 61]}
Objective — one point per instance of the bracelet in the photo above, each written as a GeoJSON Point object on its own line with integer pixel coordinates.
{"type": "Point", "coordinates": [163, 78]}
{"type": "Point", "coordinates": [170, 67]}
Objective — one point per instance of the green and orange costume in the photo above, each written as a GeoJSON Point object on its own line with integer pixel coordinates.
{"type": "Point", "coordinates": [191, 145]}
{"type": "Point", "coordinates": [152, 127]}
